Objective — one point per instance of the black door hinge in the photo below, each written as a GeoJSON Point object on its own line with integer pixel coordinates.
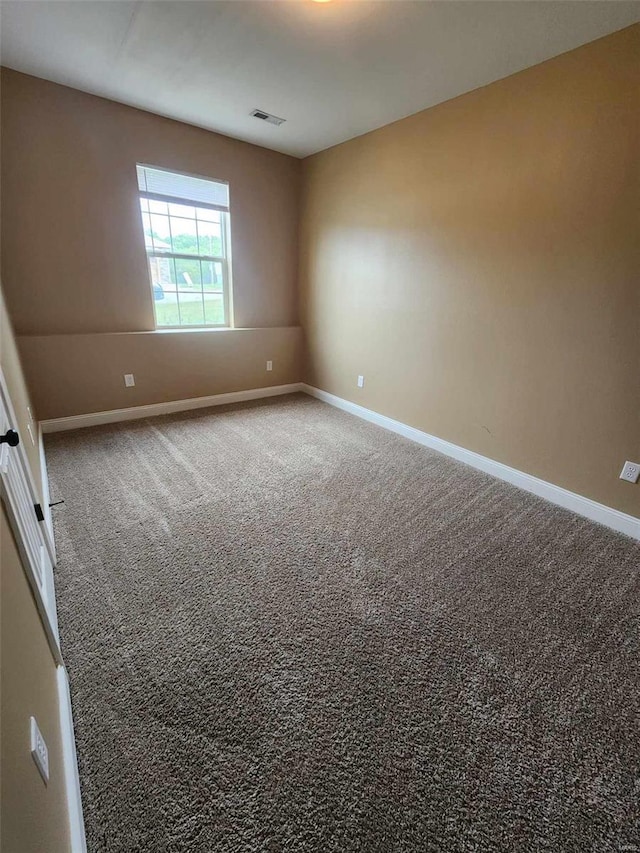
{"type": "Point", "coordinates": [39, 513]}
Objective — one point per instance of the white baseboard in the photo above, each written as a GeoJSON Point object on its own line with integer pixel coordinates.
{"type": "Point", "coordinates": [628, 524]}
{"type": "Point", "coordinates": [136, 412]}
{"type": "Point", "coordinates": [71, 776]}
{"type": "Point", "coordinates": [623, 523]}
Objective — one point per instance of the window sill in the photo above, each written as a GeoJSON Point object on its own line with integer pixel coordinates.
{"type": "Point", "coordinates": [195, 329]}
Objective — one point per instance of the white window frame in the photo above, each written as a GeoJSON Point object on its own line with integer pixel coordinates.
{"type": "Point", "coordinates": [224, 260]}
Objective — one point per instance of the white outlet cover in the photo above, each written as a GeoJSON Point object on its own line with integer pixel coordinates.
{"type": "Point", "coordinates": [129, 380]}
{"type": "Point", "coordinates": [269, 365]}
{"type": "Point", "coordinates": [39, 750]}
{"type": "Point", "coordinates": [630, 472]}
{"type": "Point", "coordinates": [360, 381]}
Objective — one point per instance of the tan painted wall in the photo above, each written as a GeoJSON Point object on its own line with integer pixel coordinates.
{"type": "Point", "coordinates": [73, 256]}
{"type": "Point", "coordinates": [167, 366]}
{"type": "Point", "coordinates": [33, 816]}
{"type": "Point", "coordinates": [73, 259]}
{"type": "Point", "coordinates": [479, 263]}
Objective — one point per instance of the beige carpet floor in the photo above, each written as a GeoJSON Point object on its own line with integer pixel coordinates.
{"type": "Point", "coordinates": [289, 630]}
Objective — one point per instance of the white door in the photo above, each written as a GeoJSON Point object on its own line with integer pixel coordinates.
{"type": "Point", "coordinates": [21, 500]}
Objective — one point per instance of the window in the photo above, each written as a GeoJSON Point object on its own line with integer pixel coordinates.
{"type": "Point", "coordinates": [186, 232]}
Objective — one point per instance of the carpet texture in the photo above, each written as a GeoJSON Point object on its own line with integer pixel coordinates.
{"type": "Point", "coordinates": [289, 630]}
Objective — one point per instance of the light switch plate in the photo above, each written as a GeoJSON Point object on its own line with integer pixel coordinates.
{"type": "Point", "coordinates": [360, 381]}
{"type": "Point", "coordinates": [269, 365]}
{"type": "Point", "coordinates": [129, 380]}
{"type": "Point", "coordinates": [39, 750]}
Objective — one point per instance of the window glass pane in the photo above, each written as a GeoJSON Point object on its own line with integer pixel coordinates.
{"type": "Point", "coordinates": [163, 272]}
{"type": "Point", "coordinates": [157, 206]}
{"type": "Point", "coordinates": [144, 205]}
{"type": "Point", "coordinates": [185, 236]}
{"type": "Point", "coordinates": [206, 215]}
{"type": "Point", "coordinates": [146, 226]}
{"type": "Point", "coordinates": [160, 233]}
{"type": "Point", "coordinates": [212, 275]}
{"type": "Point", "coordinates": [188, 274]}
{"type": "Point", "coordinates": [214, 309]}
{"type": "Point", "coordinates": [210, 238]}
{"type": "Point", "coordinates": [182, 210]}
{"type": "Point", "coordinates": [191, 310]}
{"type": "Point", "coordinates": [171, 273]}
{"type": "Point", "coordinates": [166, 305]}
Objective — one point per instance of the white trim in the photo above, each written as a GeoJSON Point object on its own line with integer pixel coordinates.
{"type": "Point", "coordinates": [136, 412]}
{"type": "Point", "coordinates": [628, 524]}
{"type": "Point", "coordinates": [70, 761]}
{"type": "Point", "coordinates": [48, 519]}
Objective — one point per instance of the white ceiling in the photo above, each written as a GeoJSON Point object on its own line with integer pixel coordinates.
{"type": "Point", "coordinates": [333, 70]}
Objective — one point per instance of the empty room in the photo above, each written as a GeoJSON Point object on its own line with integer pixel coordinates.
{"type": "Point", "coordinates": [320, 426]}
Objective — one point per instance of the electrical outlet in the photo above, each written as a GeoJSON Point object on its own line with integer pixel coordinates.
{"type": "Point", "coordinates": [129, 380]}
{"type": "Point", "coordinates": [630, 472]}
{"type": "Point", "coordinates": [360, 381]}
{"type": "Point", "coordinates": [39, 751]}
{"type": "Point", "coordinates": [269, 365]}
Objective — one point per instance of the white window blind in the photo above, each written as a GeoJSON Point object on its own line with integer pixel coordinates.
{"type": "Point", "coordinates": [172, 186]}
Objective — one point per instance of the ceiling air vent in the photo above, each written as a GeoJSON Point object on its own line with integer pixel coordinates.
{"type": "Point", "coordinates": [268, 117]}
